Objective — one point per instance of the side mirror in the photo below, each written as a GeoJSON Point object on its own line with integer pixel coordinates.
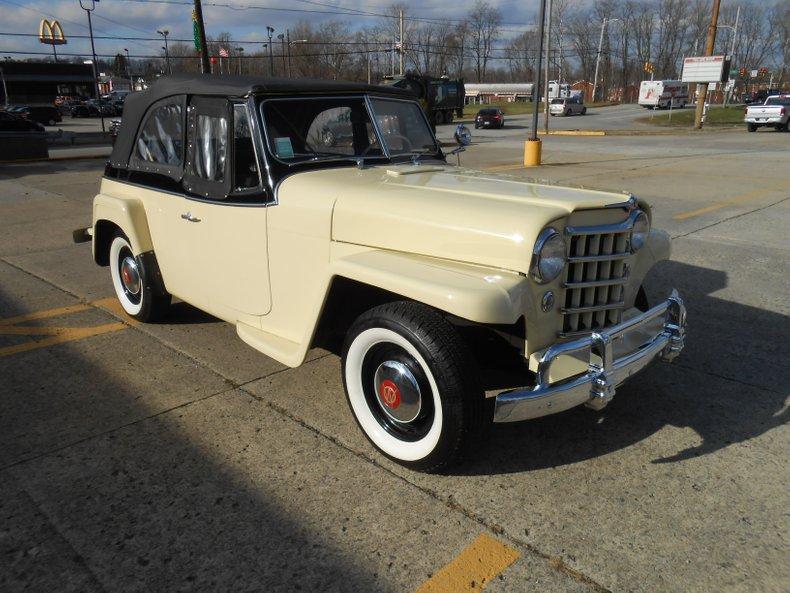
{"type": "Point", "coordinates": [462, 135]}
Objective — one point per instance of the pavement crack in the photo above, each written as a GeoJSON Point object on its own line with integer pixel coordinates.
{"type": "Point", "coordinates": [555, 562]}
{"type": "Point", "coordinates": [727, 219]}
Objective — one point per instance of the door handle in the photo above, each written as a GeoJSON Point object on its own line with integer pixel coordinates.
{"type": "Point", "coordinates": [190, 217]}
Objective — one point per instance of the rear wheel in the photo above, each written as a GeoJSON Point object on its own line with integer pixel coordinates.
{"type": "Point", "coordinates": [412, 385]}
{"type": "Point", "coordinates": [584, 111]}
{"type": "Point", "coordinates": [438, 118]}
{"type": "Point", "coordinates": [751, 127]}
{"type": "Point", "coordinates": [133, 283]}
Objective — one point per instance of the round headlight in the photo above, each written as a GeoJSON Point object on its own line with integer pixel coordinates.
{"type": "Point", "coordinates": [640, 231]}
{"type": "Point", "coordinates": [548, 256]}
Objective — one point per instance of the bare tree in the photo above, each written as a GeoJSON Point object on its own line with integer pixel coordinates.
{"type": "Point", "coordinates": [484, 23]}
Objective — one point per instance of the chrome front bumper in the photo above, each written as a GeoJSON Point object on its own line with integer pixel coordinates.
{"type": "Point", "coordinates": [596, 387]}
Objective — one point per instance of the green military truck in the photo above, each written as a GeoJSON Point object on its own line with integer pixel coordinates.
{"type": "Point", "coordinates": [441, 98]}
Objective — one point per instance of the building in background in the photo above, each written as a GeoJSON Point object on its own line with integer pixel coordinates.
{"type": "Point", "coordinates": [40, 82]}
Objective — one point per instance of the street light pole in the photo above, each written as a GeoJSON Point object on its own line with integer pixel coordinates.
{"type": "Point", "coordinates": [164, 33]}
{"type": "Point", "coordinates": [532, 147]}
{"type": "Point", "coordinates": [598, 59]}
{"type": "Point", "coordinates": [129, 70]}
{"type": "Point", "coordinates": [240, 51]}
{"type": "Point", "coordinates": [546, 73]}
{"type": "Point", "coordinates": [89, 6]}
{"type": "Point", "coordinates": [281, 37]}
{"type": "Point", "coordinates": [270, 31]}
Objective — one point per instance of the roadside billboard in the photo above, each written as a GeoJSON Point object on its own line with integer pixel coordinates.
{"type": "Point", "coordinates": [705, 69]}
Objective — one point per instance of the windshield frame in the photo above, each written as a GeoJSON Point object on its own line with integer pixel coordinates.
{"type": "Point", "coordinates": [386, 155]}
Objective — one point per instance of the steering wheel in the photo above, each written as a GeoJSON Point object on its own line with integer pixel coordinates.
{"type": "Point", "coordinates": [404, 138]}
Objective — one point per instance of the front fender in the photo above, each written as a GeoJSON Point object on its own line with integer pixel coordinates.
{"type": "Point", "coordinates": [126, 213]}
{"type": "Point", "coordinates": [476, 293]}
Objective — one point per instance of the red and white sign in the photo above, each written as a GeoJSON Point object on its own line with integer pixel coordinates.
{"type": "Point", "coordinates": [703, 69]}
{"type": "Point", "coordinates": [223, 53]}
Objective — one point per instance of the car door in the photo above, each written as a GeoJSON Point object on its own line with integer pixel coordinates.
{"type": "Point", "coordinates": [226, 230]}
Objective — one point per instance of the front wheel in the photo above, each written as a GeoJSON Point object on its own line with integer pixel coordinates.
{"type": "Point", "coordinates": [584, 111]}
{"type": "Point", "coordinates": [133, 283]}
{"type": "Point", "coordinates": [412, 385]}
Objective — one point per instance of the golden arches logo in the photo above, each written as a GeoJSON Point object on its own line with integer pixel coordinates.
{"type": "Point", "coordinates": [51, 33]}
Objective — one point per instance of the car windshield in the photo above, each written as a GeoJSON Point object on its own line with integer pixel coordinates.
{"type": "Point", "coordinates": [557, 101]}
{"type": "Point", "coordinates": [778, 100]}
{"type": "Point", "coordinates": [487, 112]}
{"type": "Point", "coordinates": [304, 130]}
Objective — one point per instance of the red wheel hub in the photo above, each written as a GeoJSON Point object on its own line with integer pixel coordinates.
{"type": "Point", "coordinates": [389, 394]}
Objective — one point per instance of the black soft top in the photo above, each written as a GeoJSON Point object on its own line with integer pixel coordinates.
{"type": "Point", "coordinates": [136, 104]}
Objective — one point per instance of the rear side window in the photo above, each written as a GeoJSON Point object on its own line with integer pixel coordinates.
{"type": "Point", "coordinates": [160, 142]}
{"type": "Point", "coordinates": [211, 147]}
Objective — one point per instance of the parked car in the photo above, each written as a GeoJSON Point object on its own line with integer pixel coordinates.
{"type": "Point", "coordinates": [775, 112]}
{"type": "Point", "coordinates": [85, 110]}
{"type": "Point", "coordinates": [10, 122]}
{"type": "Point", "coordinates": [420, 273]}
{"type": "Point", "coordinates": [490, 118]}
{"type": "Point", "coordinates": [567, 106]}
{"type": "Point", "coordinates": [43, 114]}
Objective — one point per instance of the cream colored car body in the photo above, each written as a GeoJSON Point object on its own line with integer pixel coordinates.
{"type": "Point", "coordinates": [455, 239]}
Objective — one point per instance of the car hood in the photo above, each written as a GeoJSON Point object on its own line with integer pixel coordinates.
{"type": "Point", "coordinates": [451, 212]}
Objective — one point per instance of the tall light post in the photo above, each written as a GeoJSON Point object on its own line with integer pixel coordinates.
{"type": "Point", "coordinates": [164, 33]}
{"type": "Point", "coordinates": [240, 51]}
{"type": "Point", "coordinates": [270, 31]}
{"type": "Point", "coordinates": [283, 50]}
{"type": "Point", "coordinates": [606, 21]}
{"type": "Point", "coordinates": [532, 147]}
{"type": "Point", "coordinates": [291, 44]}
{"type": "Point", "coordinates": [89, 6]}
{"type": "Point", "coordinates": [129, 69]}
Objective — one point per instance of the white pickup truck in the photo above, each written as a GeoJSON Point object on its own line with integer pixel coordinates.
{"type": "Point", "coordinates": [774, 112]}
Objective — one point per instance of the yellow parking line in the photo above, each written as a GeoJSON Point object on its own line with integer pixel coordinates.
{"type": "Point", "coordinates": [473, 568]}
{"type": "Point", "coordinates": [69, 335]}
{"type": "Point", "coordinates": [44, 314]}
{"type": "Point", "coordinates": [751, 195]}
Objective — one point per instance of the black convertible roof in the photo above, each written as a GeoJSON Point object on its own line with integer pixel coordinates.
{"type": "Point", "coordinates": [136, 104]}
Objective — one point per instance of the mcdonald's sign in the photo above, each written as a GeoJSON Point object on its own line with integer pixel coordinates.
{"type": "Point", "coordinates": [51, 33]}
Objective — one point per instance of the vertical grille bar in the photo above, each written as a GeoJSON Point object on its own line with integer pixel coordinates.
{"type": "Point", "coordinates": [594, 280]}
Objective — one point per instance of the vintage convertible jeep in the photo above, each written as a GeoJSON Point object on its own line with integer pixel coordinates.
{"type": "Point", "coordinates": [455, 297]}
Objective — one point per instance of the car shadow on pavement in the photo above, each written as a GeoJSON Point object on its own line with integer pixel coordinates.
{"type": "Point", "coordinates": [728, 386]}
{"type": "Point", "coordinates": [103, 489]}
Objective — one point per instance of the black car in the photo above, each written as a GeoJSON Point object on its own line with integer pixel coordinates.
{"type": "Point", "coordinates": [43, 114]}
{"type": "Point", "coordinates": [10, 122]}
{"type": "Point", "coordinates": [490, 118]}
{"type": "Point", "coordinates": [85, 110]}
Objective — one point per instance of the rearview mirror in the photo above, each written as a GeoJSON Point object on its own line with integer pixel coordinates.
{"type": "Point", "coordinates": [462, 135]}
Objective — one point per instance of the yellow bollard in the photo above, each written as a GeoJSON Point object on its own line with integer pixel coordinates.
{"type": "Point", "coordinates": [532, 153]}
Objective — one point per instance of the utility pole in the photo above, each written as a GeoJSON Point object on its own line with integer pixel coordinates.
{"type": "Point", "coordinates": [288, 49]}
{"type": "Point", "coordinates": [401, 42]}
{"type": "Point", "coordinates": [270, 31]}
{"type": "Point", "coordinates": [546, 72]}
{"type": "Point", "coordinates": [710, 43]}
{"type": "Point", "coordinates": [240, 51]}
{"type": "Point", "coordinates": [281, 37]}
{"type": "Point", "coordinates": [164, 33]}
{"type": "Point", "coordinates": [598, 60]}
{"type": "Point", "coordinates": [197, 15]}
{"type": "Point", "coordinates": [532, 147]}
{"type": "Point", "coordinates": [89, 6]}
{"type": "Point", "coordinates": [129, 70]}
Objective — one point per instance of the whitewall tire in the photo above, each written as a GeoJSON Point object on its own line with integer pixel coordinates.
{"type": "Point", "coordinates": [412, 385]}
{"type": "Point", "coordinates": [133, 284]}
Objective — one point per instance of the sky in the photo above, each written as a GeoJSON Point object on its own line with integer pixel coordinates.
{"type": "Point", "coordinates": [142, 18]}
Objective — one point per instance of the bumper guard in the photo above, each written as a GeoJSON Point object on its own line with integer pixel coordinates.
{"type": "Point", "coordinates": [597, 386]}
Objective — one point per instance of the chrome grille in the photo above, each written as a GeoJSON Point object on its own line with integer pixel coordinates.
{"type": "Point", "coordinates": [594, 278]}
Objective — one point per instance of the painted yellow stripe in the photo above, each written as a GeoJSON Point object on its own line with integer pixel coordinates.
{"type": "Point", "coordinates": [27, 330]}
{"type": "Point", "coordinates": [45, 314]}
{"type": "Point", "coordinates": [473, 568]}
{"type": "Point", "coordinates": [112, 305]}
{"type": "Point", "coordinates": [71, 334]}
{"type": "Point", "coordinates": [751, 195]}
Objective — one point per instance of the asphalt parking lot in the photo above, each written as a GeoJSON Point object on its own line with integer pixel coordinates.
{"type": "Point", "coordinates": [174, 457]}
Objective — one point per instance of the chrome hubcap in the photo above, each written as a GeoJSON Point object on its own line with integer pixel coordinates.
{"type": "Point", "coordinates": [130, 275]}
{"type": "Point", "coordinates": [397, 391]}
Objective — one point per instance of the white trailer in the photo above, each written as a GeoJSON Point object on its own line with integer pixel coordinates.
{"type": "Point", "coordinates": [663, 94]}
